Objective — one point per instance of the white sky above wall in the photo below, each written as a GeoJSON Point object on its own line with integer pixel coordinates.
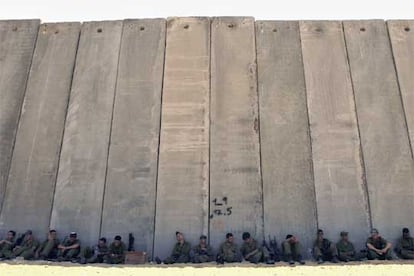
{"type": "Point", "coordinates": [87, 10]}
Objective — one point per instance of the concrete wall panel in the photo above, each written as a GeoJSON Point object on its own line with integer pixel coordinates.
{"type": "Point", "coordinates": [402, 41]}
{"type": "Point", "coordinates": [341, 196]}
{"type": "Point", "coordinates": [235, 179]}
{"type": "Point", "coordinates": [182, 191]}
{"type": "Point", "coordinates": [384, 136]}
{"type": "Point", "coordinates": [31, 185]}
{"type": "Point", "coordinates": [17, 41]}
{"type": "Point", "coordinates": [288, 188]}
{"type": "Point", "coordinates": [82, 170]}
{"type": "Point", "coordinates": [129, 203]}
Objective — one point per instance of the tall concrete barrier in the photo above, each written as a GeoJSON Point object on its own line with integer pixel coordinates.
{"type": "Point", "coordinates": [31, 185]}
{"type": "Point", "coordinates": [81, 177]}
{"type": "Point", "coordinates": [129, 203]}
{"type": "Point", "coordinates": [384, 136]}
{"type": "Point", "coordinates": [235, 178]}
{"type": "Point", "coordinates": [17, 41]}
{"type": "Point", "coordinates": [402, 41]}
{"type": "Point", "coordinates": [288, 188]}
{"type": "Point", "coordinates": [341, 196]}
{"type": "Point", "coordinates": [183, 174]}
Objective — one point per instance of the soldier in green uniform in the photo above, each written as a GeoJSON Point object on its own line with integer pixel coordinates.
{"type": "Point", "coordinates": [291, 250]}
{"type": "Point", "coordinates": [180, 252]}
{"type": "Point", "coordinates": [69, 249]}
{"type": "Point", "coordinates": [228, 251]}
{"type": "Point", "coordinates": [252, 251]}
{"type": "Point", "coordinates": [378, 247]}
{"type": "Point", "coordinates": [324, 249]}
{"type": "Point", "coordinates": [28, 247]}
{"type": "Point", "coordinates": [346, 250]}
{"type": "Point", "coordinates": [405, 246]}
{"type": "Point", "coordinates": [49, 248]}
{"type": "Point", "coordinates": [116, 252]}
{"type": "Point", "coordinates": [7, 245]}
{"type": "Point", "coordinates": [203, 252]}
{"type": "Point", "coordinates": [96, 254]}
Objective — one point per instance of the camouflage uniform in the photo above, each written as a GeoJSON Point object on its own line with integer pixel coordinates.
{"type": "Point", "coordinates": [203, 254]}
{"type": "Point", "coordinates": [27, 249]}
{"type": "Point", "coordinates": [379, 243]}
{"type": "Point", "coordinates": [116, 253]}
{"type": "Point", "coordinates": [229, 252]}
{"type": "Point", "coordinates": [96, 254]}
{"type": "Point", "coordinates": [48, 249]}
{"type": "Point", "coordinates": [346, 251]}
{"type": "Point", "coordinates": [69, 254]}
{"type": "Point", "coordinates": [253, 252]}
{"type": "Point", "coordinates": [180, 253]}
{"type": "Point", "coordinates": [6, 248]}
{"type": "Point", "coordinates": [324, 250]}
{"type": "Point", "coordinates": [405, 248]}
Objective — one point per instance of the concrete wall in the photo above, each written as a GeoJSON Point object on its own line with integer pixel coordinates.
{"type": "Point", "coordinates": [206, 126]}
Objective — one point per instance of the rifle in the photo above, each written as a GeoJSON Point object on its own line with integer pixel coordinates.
{"type": "Point", "coordinates": [20, 240]}
{"type": "Point", "coordinates": [274, 252]}
{"type": "Point", "coordinates": [131, 240]}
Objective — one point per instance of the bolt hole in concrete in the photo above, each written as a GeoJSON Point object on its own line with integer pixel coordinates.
{"type": "Point", "coordinates": [57, 31]}
{"type": "Point", "coordinates": [407, 29]}
{"type": "Point", "coordinates": [318, 30]}
{"type": "Point", "coordinates": [142, 28]}
{"type": "Point", "coordinates": [230, 26]}
{"type": "Point", "coordinates": [14, 29]}
{"type": "Point", "coordinates": [362, 29]}
{"type": "Point", "coordinates": [186, 26]}
{"type": "Point", "coordinates": [274, 30]}
{"type": "Point", "coordinates": [99, 30]}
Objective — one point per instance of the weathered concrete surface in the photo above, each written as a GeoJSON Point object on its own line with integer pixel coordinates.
{"type": "Point", "coordinates": [80, 183]}
{"type": "Point", "coordinates": [402, 41]}
{"type": "Point", "coordinates": [235, 180]}
{"type": "Point", "coordinates": [31, 184]}
{"type": "Point", "coordinates": [182, 191]}
{"type": "Point", "coordinates": [388, 161]}
{"type": "Point", "coordinates": [288, 189]}
{"type": "Point", "coordinates": [129, 203]}
{"type": "Point", "coordinates": [17, 41]}
{"type": "Point", "coordinates": [339, 180]}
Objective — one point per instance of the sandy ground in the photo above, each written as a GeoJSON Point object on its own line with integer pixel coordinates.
{"type": "Point", "coordinates": [377, 268]}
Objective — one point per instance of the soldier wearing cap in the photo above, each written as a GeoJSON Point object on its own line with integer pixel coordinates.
{"type": "Point", "coordinates": [228, 251]}
{"type": "Point", "coordinates": [28, 247]}
{"type": "Point", "coordinates": [405, 246]}
{"type": "Point", "coordinates": [116, 252]}
{"type": "Point", "coordinates": [252, 251]}
{"type": "Point", "coordinates": [324, 249]}
{"type": "Point", "coordinates": [7, 245]}
{"type": "Point", "coordinates": [49, 248]}
{"type": "Point", "coordinates": [203, 252]}
{"type": "Point", "coordinates": [292, 250]}
{"type": "Point", "coordinates": [346, 249]}
{"type": "Point", "coordinates": [378, 247]}
{"type": "Point", "coordinates": [69, 249]}
{"type": "Point", "coordinates": [180, 252]}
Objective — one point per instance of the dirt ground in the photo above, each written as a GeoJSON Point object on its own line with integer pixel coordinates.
{"type": "Point", "coordinates": [377, 268]}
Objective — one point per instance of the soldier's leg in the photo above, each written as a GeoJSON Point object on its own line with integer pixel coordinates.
{"type": "Point", "coordinates": [287, 251]}
{"type": "Point", "coordinates": [18, 251]}
{"type": "Point", "coordinates": [372, 255]}
{"type": "Point", "coordinates": [169, 260]}
{"type": "Point", "coordinates": [317, 253]}
{"type": "Point", "coordinates": [7, 254]}
{"type": "Point", "coordinates": [182, 259]}
{"type": "Point", "coordinates": [28, 254]}
{"type": "Point", "coordinates": [46, 252]}
{"type": "Point", "coordinates": [297, 252]}
{"type": "Point", "coordinates": [85, 254]}
{"type": "Point", "coordinates": [72, 253]}
{"type": "Point", "coordinates": [256, 258]}
{"type": "Point", "coordinates": [388, 255]}
{"type": "Point", "coordinates": [407, 254]}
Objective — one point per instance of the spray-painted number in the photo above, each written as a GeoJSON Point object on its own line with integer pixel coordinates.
{"type": "Point", "coordinates": [220, 207]}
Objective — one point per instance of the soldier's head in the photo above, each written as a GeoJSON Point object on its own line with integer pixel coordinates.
{"type": "Point", "coordinates": [117, 240]}
{"type": "Point", "coordinates": [102, 241]}
{"type": "Point", "coordinates": [28, 235]}
{"type": "Point", "coordinates": [52, 233]}
{"type": "Point", "coordinates": [290, 238]}
{"type": "Point", "coordinates": [179, 236]}
{"type": "Point", "coordinates": [246, 237]}
{"type": "Point", "coordinates": [229, 237]}
{"type": "Point", "coordinates": [203, 239]}
{"type": "Point", "coordinates": [320, 234]}
{"type": "Point", "coordinates": [73, 236]}
{"type": "Point", "coordinates": [406, 233]}
{"type": "Point", "coordinates": [344, 236]}
{"type": "Point", "coordinates": [11, 234]}
{"type": "Point", "coordinates": [374, 233]}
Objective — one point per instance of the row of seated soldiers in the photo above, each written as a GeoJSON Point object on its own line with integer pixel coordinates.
{"type": "Point", "coordinates": [53, 250]}
{"type": "Point", "coordinates": [324, 250]}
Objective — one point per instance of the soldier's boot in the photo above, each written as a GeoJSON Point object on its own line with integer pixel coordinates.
{"type": "Point", "coordinates": [289, 259]}
{"type": "Point", "coordinates": [220, 259]}
{"type": "Point", "coordinates": [158, 260]}
{"type": "Point", "coordinates": [335, 259]}
{"type": "Point", "coordinates": [300, 260]}
{"type": "Point", "coordinates": [319, 260]}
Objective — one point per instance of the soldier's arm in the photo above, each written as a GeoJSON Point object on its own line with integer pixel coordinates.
{"type": "Point", "coordinates": [371, 247]}
{"type": "Point", "coordinates": [74, 246]}
{"type": "Point", "coordinates": [387, 246]}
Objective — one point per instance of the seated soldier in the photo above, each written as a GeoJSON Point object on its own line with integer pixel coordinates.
{"type": "Point", "coordinates": [228, 251]}
{"type": "Point", "coordinates": [346, 250]}
{"type": "Point", "coordinates": [405, 246]}
{"type": "Point", "coordinates": [7, 245]}
{"type": "Point", "coordinates": [378, 247]}
{"type": "Point", "coordinates": [292, 250]}
{"type": "Point", "coordinates": [180, 252]}
{"type": "Point", "coordinates": [96, 254]}
{"type": "Point", "coordinates": [116, 252]}
{"type": "Point", "coordinates": [252, 251]}
{"type": "Point", "coordinates": [49, 248]}
{"type": "Point", "coordinates": [28, 247]}
{"type": "Point", "coordinates": [69, 249]}
{"type": "Point", "coordinates": [324, 249]}
{"type": "Point", "coordinates": [203, 252]}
